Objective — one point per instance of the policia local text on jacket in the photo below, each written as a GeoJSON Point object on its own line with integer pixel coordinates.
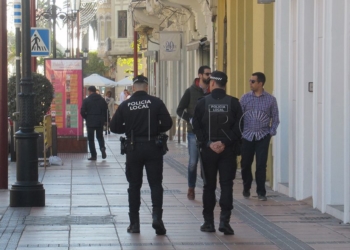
{"type": "Point", "coordinates": [94, 111]}
{"type": "Point", "coordinates": [216, 125]}
{"type": "Point", "coordinates": [142, 118]}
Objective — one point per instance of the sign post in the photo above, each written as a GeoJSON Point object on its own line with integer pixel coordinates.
{"type": "Point", "coordinates": [40, 42]}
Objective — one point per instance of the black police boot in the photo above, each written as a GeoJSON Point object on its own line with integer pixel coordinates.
{"type": "Point", "coordinates": [134, 226]}
{"type": "Point", "coordinates": [224, 226]}
{"type": "Point", "coordinates": [208, 226]}
{"type": "Point", "coordinates": [157, 223]}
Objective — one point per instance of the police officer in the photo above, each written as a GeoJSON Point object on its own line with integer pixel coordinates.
{"type": "Point", "coordinates": [215, 123]}
{"type": "Point", "coordinates": [142, 118]}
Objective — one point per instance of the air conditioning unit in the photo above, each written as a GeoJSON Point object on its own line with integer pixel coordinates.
{"type": "Point", "coordinates": [265, 1]}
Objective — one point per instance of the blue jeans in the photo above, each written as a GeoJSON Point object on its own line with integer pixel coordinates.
{"type": "Point", "coordinates": [192, 164]}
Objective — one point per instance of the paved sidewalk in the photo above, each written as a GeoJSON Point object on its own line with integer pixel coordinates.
{"type": "Point", "coordinates": [87, 208]}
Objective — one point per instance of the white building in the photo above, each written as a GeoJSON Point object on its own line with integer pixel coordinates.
{"type": "Point", "coordinates": [192, 19]}
{"type": "Point", "coordinates": [312, 72]}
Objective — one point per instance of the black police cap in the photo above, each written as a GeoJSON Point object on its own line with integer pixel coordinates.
{"type": "Point", "coordinates": [219, 76]}
{"type": "Point", "coordinates": [140, 79]}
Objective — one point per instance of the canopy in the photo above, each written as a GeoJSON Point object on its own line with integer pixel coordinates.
{"type": "Point", "coordinates": [124, 82]}
{"type": "Point", "coordinates": [98, 81]}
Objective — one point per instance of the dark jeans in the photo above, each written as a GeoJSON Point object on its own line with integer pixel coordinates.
{"type": "Point", "coordinates": [91, 139]}
{"type": "Point", "coordinates": [260, 149]}
{"type": "Point", "coordinates": [226, 164]}
{"type": "Point", "coordinates": [149, 155]}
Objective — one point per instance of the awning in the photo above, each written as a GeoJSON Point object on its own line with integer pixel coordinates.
{"type": "Point", "coordinates": [196, 44]}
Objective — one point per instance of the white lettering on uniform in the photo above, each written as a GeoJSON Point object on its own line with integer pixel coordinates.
{"type": "Point", "coordinates": [143, 104]}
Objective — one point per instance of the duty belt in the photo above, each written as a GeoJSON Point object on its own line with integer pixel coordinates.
{"type": "Point", "coordinates": [145, 139]}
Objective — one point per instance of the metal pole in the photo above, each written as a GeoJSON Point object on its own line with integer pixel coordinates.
{"type": "Point", "coordinates": [33, 24]}
{"type": "Point", "coordinates": [27, 191]}
{"type": "Point", "coordinates": [3, 98]}
{"type": "Point", "coordinates": [135, 55]}
{"type": "Point", "coordinates": [54, 15]}
{"type": "Point", "coordinates": [18, 24]}
{"type": "Point", "coordinates": [72, 50]}
{"type": "Point", "coordinates": [78, 36]}
{"type": "Point", "coordinates": [18, 68]}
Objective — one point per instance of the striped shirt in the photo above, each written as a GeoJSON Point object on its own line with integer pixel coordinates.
{"type": "Point", "coordinates": [260, 115]}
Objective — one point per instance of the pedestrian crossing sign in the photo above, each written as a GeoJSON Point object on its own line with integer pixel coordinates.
{"type": "Point", "coordinates": [40, 42]}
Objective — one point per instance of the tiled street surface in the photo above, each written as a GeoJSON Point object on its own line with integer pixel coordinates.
{"type": "Point", "coordinates": [87, 208]}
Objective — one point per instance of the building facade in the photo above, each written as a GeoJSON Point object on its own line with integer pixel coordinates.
{"type": "Point", "coordinates": [301, 46]}
{"type": "Point", "coordinates": [192, 20]}
{"type": "Point", "coordinates": [312, 68]}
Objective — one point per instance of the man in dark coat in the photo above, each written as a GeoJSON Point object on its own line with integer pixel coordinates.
{"type": "Point", "coordinates": [185, 111]}
{"type": "Point", "coordinates": [94, 111]}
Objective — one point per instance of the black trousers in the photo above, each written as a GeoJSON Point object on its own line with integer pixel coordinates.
{"type": "Point", "coordinates": [225, 163]}
{"type": "Point", "coordinates": [149, 155]}
{"type": "Point", "coordinates": [91, 139]}
{"type": "Point", "coordinates": [260, 149]}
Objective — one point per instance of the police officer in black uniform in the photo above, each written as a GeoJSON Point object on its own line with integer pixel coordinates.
{"type": "Point", "coordinates": [143, 118]}
{"type": "Point", "coordinates": [215, 123]}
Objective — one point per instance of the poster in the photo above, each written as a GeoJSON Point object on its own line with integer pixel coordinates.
{"type": "Point", "coordinates": [66, 76]}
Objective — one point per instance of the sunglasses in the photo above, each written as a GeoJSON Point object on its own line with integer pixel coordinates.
{"type": "Point", "coordinates": [207, 74]}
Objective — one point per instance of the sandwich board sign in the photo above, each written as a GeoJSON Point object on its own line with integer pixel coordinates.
{"type": "Point", "coordinates": [40, 42]}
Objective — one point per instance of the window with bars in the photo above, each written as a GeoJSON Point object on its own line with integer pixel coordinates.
{"type": "Point", "coordinates": [122, 23]}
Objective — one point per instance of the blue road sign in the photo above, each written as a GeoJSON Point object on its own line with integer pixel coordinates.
{"type": "Point", "coordinates": [40, 42]}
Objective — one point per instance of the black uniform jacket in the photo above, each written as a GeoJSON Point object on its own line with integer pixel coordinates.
{"type": "Point", "coordinates": [94, 110]}
{"type": "Point", "coordinates": [143, 114]}
{"type": "Point", "coordinates": [199, 129]}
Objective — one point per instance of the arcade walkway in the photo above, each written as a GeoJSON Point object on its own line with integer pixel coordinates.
{"type": "Point", "coordinates": [87, 208]}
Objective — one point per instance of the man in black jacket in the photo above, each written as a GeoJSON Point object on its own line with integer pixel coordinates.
{"type": "Point", "coordinates": [216, 125]}
{"type": "Point", "coordinates": [185, 110]}
{"type": "Point", "coordinates": [143, 118]}
{"type": "Point", "coordinates": [94, 111]}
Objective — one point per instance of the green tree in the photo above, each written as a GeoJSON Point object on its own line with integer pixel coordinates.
{"type": "Point", "coordinates": [95, 65]}
{"type": "Point", "coordinates": [130, 60]}
{"type": "Point", "coordinates": [11, 49]}
{"type": "Point", "coordinates": [43, 91]}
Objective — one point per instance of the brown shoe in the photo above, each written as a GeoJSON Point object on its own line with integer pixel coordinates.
{"type": "Point", "coordinates": [191, 194]}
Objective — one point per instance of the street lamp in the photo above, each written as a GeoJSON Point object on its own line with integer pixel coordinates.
{"type": "Point", "coordinates": [27, 191]}
{"type": "Point", "coordinates": [67, 52]}
{"type": "Point", "coordinates": [85, 53]}
{"type": "Point", "coordinates": [51, 13]}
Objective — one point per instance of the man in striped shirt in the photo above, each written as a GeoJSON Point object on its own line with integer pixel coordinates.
{"type": "Point", "coordinates": [260, 122]}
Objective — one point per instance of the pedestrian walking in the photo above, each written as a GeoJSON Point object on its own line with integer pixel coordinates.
{"type": "Point", "coordinates": [110, 103]}
{"type": "Point", "coordinates": [94, 111]}
{"type": "Point", "coordinates": [260, 122]}
{"type": "Point", "coordinates": [143, 118]}
{"type": "Point", "coordinates": [216, 126]}
{"type": "Point", "coordinates": [122, 96]}
{"type": "Point", "coordinates": [185, 109]}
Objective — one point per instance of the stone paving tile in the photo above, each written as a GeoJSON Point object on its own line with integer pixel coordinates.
{"type": "Point", "coordinates": [90, 211]}
{"type": "Point", "coordinates": [63, 189]}
{"type": "Point", "coordinates": [335, 246]}
{"type": "Point", "coordinates": [44, 237]}
{"type": "Point", "coordinates": [89, 200]}
{"type": "Point", "coordinates": [57, 200]}
{"type": "Point", "coordinates": [42, 247]}
{"type": "Point", "coordinates": [87, 189]}
{"type": "Point", "coordinates": [56, 180]}
{"type": "Point", "coordinates": [99, 234]}
{"type": "Point", "coordinates": [50, 211]}
{"type": "Point", "coordinates": [112, 179]}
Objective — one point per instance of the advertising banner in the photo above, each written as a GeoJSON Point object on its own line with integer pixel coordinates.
{"type": "Point", "coordinates": [170, 46]}
{"type": "Point", "coordinates": [66, 75]}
